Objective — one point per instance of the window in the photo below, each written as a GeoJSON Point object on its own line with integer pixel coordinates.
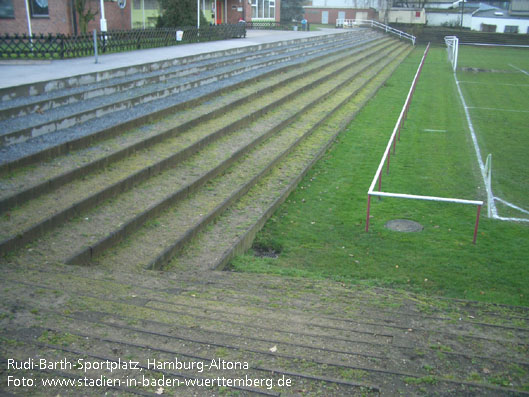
{"type": "Point", "coordinates": [511, 29]}
{"type": "Point", "coordinates": [488, 28]}
{"type": "Point", "coordinates": [147, 4]}
{"type": "Point", "coordinates": [417, 14]}
{"type": "Point", "coordinates": [6, 9]}
{"type": "Point", "coordinates": [263, 9]}
{"type": "Point", "coordinates": [39, 8]}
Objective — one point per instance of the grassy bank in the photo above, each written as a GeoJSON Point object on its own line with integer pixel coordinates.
{"type": "Point", "coordinates": [320, 230]}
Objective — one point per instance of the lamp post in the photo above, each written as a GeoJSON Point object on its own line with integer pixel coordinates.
{"type": "Point", "coordinates": [103, 21]}
{"type": "Point", "coordinates": [462, 9]}
{"type": "Point", "coordinates": [29, 25]}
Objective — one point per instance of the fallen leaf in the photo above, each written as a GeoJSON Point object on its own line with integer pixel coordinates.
{"type": "Point", "coordinates": [159, 390]}
{"type": "Point", "coordinates": [273, 349]}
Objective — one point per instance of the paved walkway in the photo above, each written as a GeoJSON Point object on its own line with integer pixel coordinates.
{"type": "Point", "coordinates": [19, 72]}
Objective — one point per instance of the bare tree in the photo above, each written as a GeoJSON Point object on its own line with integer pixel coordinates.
{"type": "Point", "coordinates": [85, 13]}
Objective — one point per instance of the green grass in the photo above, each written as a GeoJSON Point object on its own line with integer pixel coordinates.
{"type": "Point", "coordinates": [500, 115]}
{"type": "Point", "coordinates": [320, 229]}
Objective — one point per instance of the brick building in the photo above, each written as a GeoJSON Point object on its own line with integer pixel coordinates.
{"type": "Point", "coordinates": [328, 11]}
{"type": "Point", "coordinates": [58, 16]}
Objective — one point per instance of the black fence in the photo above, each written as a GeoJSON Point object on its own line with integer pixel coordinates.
{"type": "Point", "coordinates": [435, 35]}
{"type": "Point", "coordinates": [64, 46]}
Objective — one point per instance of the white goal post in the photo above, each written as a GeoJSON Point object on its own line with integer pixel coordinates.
{"type": "Point", "coordinates": [452, 47]}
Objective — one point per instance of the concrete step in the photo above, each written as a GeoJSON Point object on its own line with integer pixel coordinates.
{"type": "Point", "coordinates": [60, 94]}
{"type": "Point", "coordinates": [213, 249]}
{"type": "Point", "coordinates": [159, 240]}
{"type": "Point", "coordinates": [60, 203]}
{"type": "Point", "coordinates": [73, 109]}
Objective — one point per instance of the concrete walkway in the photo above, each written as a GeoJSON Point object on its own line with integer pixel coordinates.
{"type": "Point", "coordinates": [19, 72]}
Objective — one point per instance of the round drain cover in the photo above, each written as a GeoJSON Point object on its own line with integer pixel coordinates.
{"type": "Point", "coordinates": [404, 225]}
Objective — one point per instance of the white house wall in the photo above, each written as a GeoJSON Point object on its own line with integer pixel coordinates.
{"type": "Point", "coordinates": [405, 15]}
{"type": "Point", "coordinates": [442, 18]}
{"type": "Point", "coordinates": [523, 24]}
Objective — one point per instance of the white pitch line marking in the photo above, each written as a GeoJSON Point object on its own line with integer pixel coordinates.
{"type": "Point", "coordinates": [518, 69]}
{"type": "Point", "coordinates": [476, 148]}
{"type": "Point", "coordinates": [511, 205]}
{"type": "Point", "coordinates": [429, 130]}
{"type": "Point", "coordinates": [499, 110]}
{"type": "Point", "coordinates": [486, 83]}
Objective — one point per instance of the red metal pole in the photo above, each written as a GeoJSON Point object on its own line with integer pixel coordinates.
{"type": "Point", "coordinates": [368, 209]}
{"type": "Point", "coordinates": [394, 144]}
{"type": "Point", "coordinates": [477, 224]}
{"type": "Point", "coordinates": [380, 182]}
{"type": "Point", "coordinates": [387, 164]}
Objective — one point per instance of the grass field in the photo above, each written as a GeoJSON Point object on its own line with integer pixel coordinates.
{"type": "Point", "coordinates": [495, 84]}
{"type": "Point", "coordinates": [320, 229]}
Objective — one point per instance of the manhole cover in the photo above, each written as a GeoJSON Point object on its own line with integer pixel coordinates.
{"type": "Point", "coordinates": [404, 225]}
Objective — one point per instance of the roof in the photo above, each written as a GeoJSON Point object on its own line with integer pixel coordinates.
{"type": "Point", "coordinates": [495, 13]}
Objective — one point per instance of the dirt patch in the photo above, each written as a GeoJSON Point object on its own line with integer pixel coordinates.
{"type": "Point", "coordinates": [479, 70]}
{"type": "Point", "coordinates": [404, 225]}
{"type": "Point", "coordinates": [262, 251]}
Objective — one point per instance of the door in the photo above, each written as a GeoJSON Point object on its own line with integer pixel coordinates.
{"type": "Point", "coordinates": [362, 15]}
{"type": "Point", "coordinates": [220, 11]}
{"type": "Point", "coordinates": [325, 17]}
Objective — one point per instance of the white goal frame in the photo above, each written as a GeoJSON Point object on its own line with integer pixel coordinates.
{"type": "Point", "coordinates": [386, 161]}
{"type": "Point", "coordinates": [452, 47]}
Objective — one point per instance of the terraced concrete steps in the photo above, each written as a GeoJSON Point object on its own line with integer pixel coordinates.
{"type": "Point", "coordinates": [56, 95]}
{"type": "Point", "coordinates": [71, 107]}
{"type": "Point", "coordinates": [234, 230]}
{"type": "Point", "coordinates": [44, 176]}
{"type": "Point", "coordinates": [189, 175]}
{"type": "Point", "coordinates": [280, 327]}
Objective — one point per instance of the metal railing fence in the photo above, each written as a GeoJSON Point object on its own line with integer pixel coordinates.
{"type": "Point", "coordinates": [351, 23]}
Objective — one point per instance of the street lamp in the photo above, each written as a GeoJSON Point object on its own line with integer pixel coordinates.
{"type": "Point", "coordinates": [103, 21]}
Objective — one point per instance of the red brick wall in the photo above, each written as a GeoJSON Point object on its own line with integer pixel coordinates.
{"type": "Point", "coordinates": [313, 15]}
{"type": "Point", "coordinates": [117, 18]}
{"type": "Point", "coordinates": [59, 19]}
{"type": "Point", "coordinates": [234, 15]}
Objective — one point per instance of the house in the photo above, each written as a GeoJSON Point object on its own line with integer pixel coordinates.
{"type": "Point", "coordinates": [407, 15]}
{"type": "Point", "coordinates": [59, 17]}
{"type": "Point", "coordinates": [328, 11]}
{"type": "Point", "coordinates": [144, 13]}
{"type": "Point", "coordinates": [449, 17]}
{"type": "Point", "coordinates": [501, 21]}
